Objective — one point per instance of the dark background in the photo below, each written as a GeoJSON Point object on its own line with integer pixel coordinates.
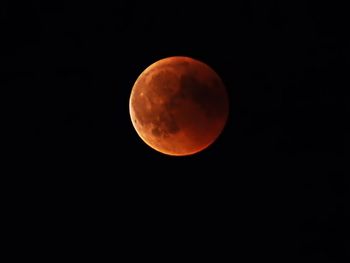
{"type": "Point", "coordinates": [271, 187]}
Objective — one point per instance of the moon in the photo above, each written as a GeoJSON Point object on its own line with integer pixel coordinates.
{"type": "Point", "coordinates": [179, 106]}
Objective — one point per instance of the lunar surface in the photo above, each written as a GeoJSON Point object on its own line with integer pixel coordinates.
{"type": "Point", "coordinates": [179, 106]}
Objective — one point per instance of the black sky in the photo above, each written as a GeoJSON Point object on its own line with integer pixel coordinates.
{"type": "Point", "coordinates": [271, 187]}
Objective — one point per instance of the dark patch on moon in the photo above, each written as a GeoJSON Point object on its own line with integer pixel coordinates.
{"type": "Point", "coordinates": [156, 132]}
{"type": "Point", "coordinates": [163, 83]}
{"type": "Point", "coordinates": [165, 125]}
{"type": "Point", "coordinates": [205, 95]}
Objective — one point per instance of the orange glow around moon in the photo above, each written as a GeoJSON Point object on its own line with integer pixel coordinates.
{"type": "Point", "coordinates": [179, 106]}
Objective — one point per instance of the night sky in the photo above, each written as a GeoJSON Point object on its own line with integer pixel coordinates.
{"type": "Point", "coordinates": [270, 188]}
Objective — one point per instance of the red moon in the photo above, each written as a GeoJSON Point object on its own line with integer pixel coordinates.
{"type": "Point", "coordinates": [179, 106]}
